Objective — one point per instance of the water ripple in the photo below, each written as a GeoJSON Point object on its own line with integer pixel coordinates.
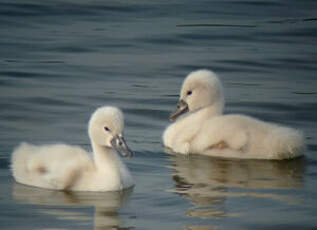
{"type": "Point", "coordinates": [48, 9]}
{"type": "Point", "coordinates": [216, 25]}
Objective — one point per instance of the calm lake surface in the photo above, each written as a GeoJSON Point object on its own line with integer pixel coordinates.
{"type": "Point", "coordinates": [61, 59]}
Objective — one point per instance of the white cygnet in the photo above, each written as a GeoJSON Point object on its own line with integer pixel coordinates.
{"type": "Point", "coordinates": [202, 128]}
{"type": "Point", "coordinates": [67, 167]}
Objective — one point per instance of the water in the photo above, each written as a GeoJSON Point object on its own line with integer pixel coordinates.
{"type": "Point", "coordinates": [61, 59]}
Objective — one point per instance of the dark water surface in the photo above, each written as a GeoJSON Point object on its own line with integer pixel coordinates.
{"type": "Point", "coordinates": [61, 59]}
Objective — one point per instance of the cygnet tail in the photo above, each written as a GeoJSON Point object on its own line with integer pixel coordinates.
{"type": "Point", "coordinates": [286, 142]}
{"type": "Point", "coordinates": [25, 169]}
{"type": "Point", "coordinates": [19, 159]}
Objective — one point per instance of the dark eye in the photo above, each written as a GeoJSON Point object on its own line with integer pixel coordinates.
{"type": "Point", "coordinates": [189, 92]}
{"type": "Point", "coordinates": [106, 128]}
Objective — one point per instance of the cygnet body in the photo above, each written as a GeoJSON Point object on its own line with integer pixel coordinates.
{"type": "Point", "coordinates": [67, 167]}
{"type": "Point", "coordinates": [202, 128]}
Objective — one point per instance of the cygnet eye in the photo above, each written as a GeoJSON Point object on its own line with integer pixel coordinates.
{"type": "Point", "coordinates": [107, 129]}
{"type": "Point", "coordinates": [189, 92]}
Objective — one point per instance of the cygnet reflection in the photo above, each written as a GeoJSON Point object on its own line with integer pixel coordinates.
{"type": "Point", "coordinates": [106, 204]}
{"type": "Point", "coordinates": [208, 182]}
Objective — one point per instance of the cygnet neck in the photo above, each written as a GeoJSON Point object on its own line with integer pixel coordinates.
{"type": "Point", "coordinates": [215, 109]}
{"type": "Point", "coordinates": [109, 166]}
{"type": "Point", "coordinates": [104, 157]}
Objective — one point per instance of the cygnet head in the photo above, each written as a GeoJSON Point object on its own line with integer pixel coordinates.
{"type": "Point", "coordinates": [200, 89]}
{"type": "Point", "coordinates": [105, 128]}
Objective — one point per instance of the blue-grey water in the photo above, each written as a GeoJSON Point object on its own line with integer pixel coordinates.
{"type": "Point", "coordinates": [60, 59]}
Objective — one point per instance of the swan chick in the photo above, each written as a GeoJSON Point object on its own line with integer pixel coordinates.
{"type": "Point", "coordinates": [69, 167]}
{"type": "Point", "coordinates": [200, 127]}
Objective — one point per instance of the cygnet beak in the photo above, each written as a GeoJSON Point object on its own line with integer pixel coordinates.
{"type": "Point", "coordinates": [119, 144]}
{"type": "Point", "coordinates": [181, 108]}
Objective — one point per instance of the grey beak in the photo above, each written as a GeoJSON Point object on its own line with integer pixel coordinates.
{"type": "Point", "coordinates": [181, 108]}
{"type": "Point", "coordinates": [119, 144]}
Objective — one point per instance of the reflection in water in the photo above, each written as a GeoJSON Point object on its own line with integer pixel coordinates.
{"type": "Point", "coordinates": [106, 204]}
{"type": "Point", "coordinates": [207, 182]}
